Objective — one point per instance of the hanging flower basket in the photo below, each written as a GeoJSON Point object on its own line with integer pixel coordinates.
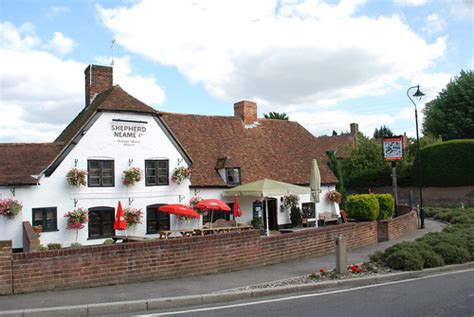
{"type": "Point", "coordinates": [76, 177]}
{"type": "Point", "coordinates": [10, 207]}
{"type": "Point", "coordinates": [133, 216]}
{"type": "Point", "coordinates": [290, 201]}
{"type": "Point", "coordinates": [334, 196]}
{"type": "Point", "coordinates": [77, 218]}
{"type": "Point", "coordinates": [193, 202]}
{"type": "Point", "coordinates": [180, 174]}
{"type": "Point", "coordinates": [132, 175]}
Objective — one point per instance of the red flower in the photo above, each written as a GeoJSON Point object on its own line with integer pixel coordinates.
{"type": "Point", "coordinates": [322, 270]}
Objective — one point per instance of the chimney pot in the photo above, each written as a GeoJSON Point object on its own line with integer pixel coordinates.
{"type": "Point", "coordinates": [354, 129]}
{"type": "Point", "coordinates": [246, 111]}
{"type": "Point", "coordinates": [98, 79]}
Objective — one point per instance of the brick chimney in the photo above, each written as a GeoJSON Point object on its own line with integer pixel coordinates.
{"type": "Point", "coordinates": [98, 79]}
{"type": "Point", "coordinates": [246, 111]}
{"type": "Point", "coordinates": [354, 129]}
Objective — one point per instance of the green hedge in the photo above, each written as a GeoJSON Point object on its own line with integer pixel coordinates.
{"type": "Point", "coordinates": [446, 164]}
{"type": "Point", "coordinates": [363, 207]}
{"type": "Point", "coordinates": [386, 204]}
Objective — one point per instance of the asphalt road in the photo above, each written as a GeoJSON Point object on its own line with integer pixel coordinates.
{"type": "Point", "coordinates": [447, 294]}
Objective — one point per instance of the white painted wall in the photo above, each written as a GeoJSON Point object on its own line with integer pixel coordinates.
{"type": "Point", "coordinates": [99, 143]}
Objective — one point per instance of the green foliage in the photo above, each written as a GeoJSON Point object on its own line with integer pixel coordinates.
{"type": "Point", "coordinates": [451, 114]}
{"type": "Point", "coordinates": [384, 131]}
{"type": "Point", "coordinates": [447, 164]}
{"type": "Point", "coordinates": [452, 254]}
{"type": "Point", "coordinates": [108, 241]}
{"type": "Point", "coordinates": [363, 207]}
{"type": "Point", "coordinates": [76, 245]}
{"type": "Point", "coordinates": [276, 115]}
{"type": "Point", "coordinates": [386, 206]}
{"type": "Point", "coordinates": [295, 216]}
{"type": "Point", "coordinates": [335, 167]}
{"type": "Point", "coordinates": [405, 260]}
{"type": "Point", "coordinates": [364, 166]}
{"type": "Point", "coordinates": [430, 258]}
{"type": "Point", "coordinates": [256, 222]}
{"type": "Point", "coordinates": [54, 246]}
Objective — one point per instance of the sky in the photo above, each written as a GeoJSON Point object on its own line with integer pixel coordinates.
{"type": "Point", "coordinates": [324, 63]}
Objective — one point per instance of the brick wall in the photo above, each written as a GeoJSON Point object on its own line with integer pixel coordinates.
{"type": "Point", "coordinates": [90, 266]}
{"type": "Point", "coordinates": [6, 286]}
{"type": "Point", "coordinates": [396, 227]}
{"type": "Point", "coordinates": [31, 242]}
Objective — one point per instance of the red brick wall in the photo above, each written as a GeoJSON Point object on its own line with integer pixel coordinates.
{"type": "Point", "coordinates": [6, 286]}
{"type": "Point", "coordinates": [396, 227]}
{"type": "Point", "coordinates": [246, 110]}
{"type": "Point", "coordinates": [143, 261]}
{"type": "Point", "coordinates": [97, 80]}
{"type": "Point", "coordinates": [31, 241]}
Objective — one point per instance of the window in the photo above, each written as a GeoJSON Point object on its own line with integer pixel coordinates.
{"type": "Point", "coordinates": [46, 217]}
{"type": "Point", "coordinates": [100, 173]}
{"type": "Point", "coordinates": [156, 172]}
{"type": "Point", "coordinates": [218, 214]}
{"type": "Point", "coordinates": [101, 222]}
{"type": "Point", "coordinates": [232, 176]}
{"type": "Point", "coordinates": [156, 220]}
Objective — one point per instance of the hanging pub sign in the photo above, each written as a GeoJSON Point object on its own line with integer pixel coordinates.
{"type": "Point", "coordinates": [393, 148]}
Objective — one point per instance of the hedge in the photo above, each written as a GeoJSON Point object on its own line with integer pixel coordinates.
{"type": "Point", "coordinates": [363, 207]}
{"type": "Point", "coordinates": [386, 204]}
{"type": "Point", "coordinates": [446, 164]}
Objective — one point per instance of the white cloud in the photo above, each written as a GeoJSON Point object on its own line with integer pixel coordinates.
{"type": "Point", "coordinates": [56, 10]}
{"type": "Point", "coordinates": [61, 44]}
{"type": "Point", "coordinates": [41, 93]}
{"type": "Point", "coordinates": [411, 3]}
{"type": "Point", "coordinates": [463, 9]}
{"type": "Point", "coordinates": [434, 24]}
{"type": "Point", "coordinates": [297, 54]}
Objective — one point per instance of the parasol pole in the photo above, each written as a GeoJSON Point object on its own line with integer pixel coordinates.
{"type": "Point", "coordinates": [266, 218]}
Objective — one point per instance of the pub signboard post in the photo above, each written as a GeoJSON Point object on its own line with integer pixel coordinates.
{"type": "Point", "coordinates": [393, 152]}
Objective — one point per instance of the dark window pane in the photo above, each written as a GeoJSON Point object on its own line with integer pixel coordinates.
{"type": "Point", "coordinates": [156, 172]}
{"type": "Point", "coordinates": [46, 218]}
{"type": "Point", "coordinates": [101, 221]}
{"type": "Point", "coordinates": [101, 173]}
{"type": "Point", "coordinates": [156, 220]}
{"type": "Point", "coordinates": [232, 175]}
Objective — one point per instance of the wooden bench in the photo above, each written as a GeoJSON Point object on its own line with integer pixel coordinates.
{"type": "Point", "coordinates": [128, 239]}
{"type": "Point", "coordinates": [328, 218]}
{"type": "Point", "coordinates": [165, 234]}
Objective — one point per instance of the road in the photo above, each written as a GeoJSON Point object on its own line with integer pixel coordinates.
{"type": "Point", "coordinates": [447, 294]}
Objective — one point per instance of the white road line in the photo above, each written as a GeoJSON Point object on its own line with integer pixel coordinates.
{"type": "Point", "coordinates": [299, 296]}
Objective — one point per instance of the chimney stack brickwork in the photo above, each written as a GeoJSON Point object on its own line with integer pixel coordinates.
{"type": "Point", "coordinates": [246, 111]}
{"type": "Point", "coordinates": [98, 79]}
{"type": "Point", "coordinates": [354, 129]}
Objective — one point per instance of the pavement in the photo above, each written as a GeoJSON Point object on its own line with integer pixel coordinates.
{"type": "Point", "coordinates": [194, 290]}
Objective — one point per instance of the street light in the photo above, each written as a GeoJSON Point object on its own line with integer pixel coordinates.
{"type": "Point", "coordinates": [418, 94]}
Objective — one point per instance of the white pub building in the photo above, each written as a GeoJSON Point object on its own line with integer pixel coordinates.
{"type": "Point", "coordinates": [116, 132]}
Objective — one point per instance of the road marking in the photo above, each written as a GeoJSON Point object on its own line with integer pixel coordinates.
{"type": "Point", "coordinates": [299, 296]}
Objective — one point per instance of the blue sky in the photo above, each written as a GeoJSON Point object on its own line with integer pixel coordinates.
{"type": "Point", "coordinates": [326, 64]}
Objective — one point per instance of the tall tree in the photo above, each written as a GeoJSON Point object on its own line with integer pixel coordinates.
{"type": "Point", "coordinates": [451, 114]}
{"type": "Point", "coordinates": [276, 115]}
{"type": "Point", "coordinates": [384, 131]}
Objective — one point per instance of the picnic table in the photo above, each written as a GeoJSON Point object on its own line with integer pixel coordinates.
{"type": "Point", "coordinates": [165, 234]}
{"type": "Point", "coordinates": [128, 239]}
{"type": "Point", "coordinates": [213, 230]}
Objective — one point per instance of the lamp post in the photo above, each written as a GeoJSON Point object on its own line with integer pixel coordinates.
{"type": "Point", "coordinates": [418, 94]}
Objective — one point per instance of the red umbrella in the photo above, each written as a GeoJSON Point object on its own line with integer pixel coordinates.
{"type": "Point", "coordinates": [120, 223]}
{"type": "Point", "coordinates": [237, 211]}
{"type": "Point", "coordinates": [180, 210]}
{"type": "Point", "coordinates": [212, 204]}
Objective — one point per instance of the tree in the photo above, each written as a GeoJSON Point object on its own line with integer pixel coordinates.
{"type": "Point", "coordinates": [451, 114]}
{"type": "Point", "coordinates": [334, 133]}
{"type": "Point", "coordinates": [384, 131]}
{"type": "Point", "coordinates": [276, 116]}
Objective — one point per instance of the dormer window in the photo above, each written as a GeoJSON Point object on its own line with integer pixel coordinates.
{"type": "Point", "coordinates": [232, 175]}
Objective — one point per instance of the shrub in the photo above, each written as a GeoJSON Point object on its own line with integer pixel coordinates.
{"type": "Point", "coordinates": [54, 246]}
{"type": "Point", "coordinates": [452, 254]}
{"type": "Point", "coordinates": [363, 207]}
{"type": "Point", "coordinates": [295, 216]}
{"type": "Point", "coordinates": [76, 245]}
{"type": "Point", "coordinates": [445, 164]}
{"type": "Point", "coordinates": [256, 222]}
{"type": "Point", "coordinates": [376, 257]}
{"type": "Point", "coordinates": [405, 260]}
{"type": "Point", "coordinates": [395, 248]}
{"type": "Point", "coordinates": [108, 241]}
{"type": "Point", "coordinates": [430, 258]}
{"type": "Point", "coordinates": [386, 205]}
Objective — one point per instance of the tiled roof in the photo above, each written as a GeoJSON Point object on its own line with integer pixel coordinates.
{"type": "Point", "coordinates": [19, 161]}
{"type": "Point", "coordinates": [113, 99]}
{"type": "Point", "coordinates": [337, 143]}
{"type": "Point", "coordinates": [275, 149]}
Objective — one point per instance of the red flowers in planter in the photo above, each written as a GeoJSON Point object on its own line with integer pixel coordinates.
{"type": "Point", "coordinates": [356, 268]}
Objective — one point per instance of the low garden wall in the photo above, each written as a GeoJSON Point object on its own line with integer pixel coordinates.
{"type": "Point", "coordinates": [100, 265]}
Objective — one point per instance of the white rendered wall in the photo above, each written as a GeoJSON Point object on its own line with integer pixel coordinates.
{"type": "Point", "coordinates": [99, 143]}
